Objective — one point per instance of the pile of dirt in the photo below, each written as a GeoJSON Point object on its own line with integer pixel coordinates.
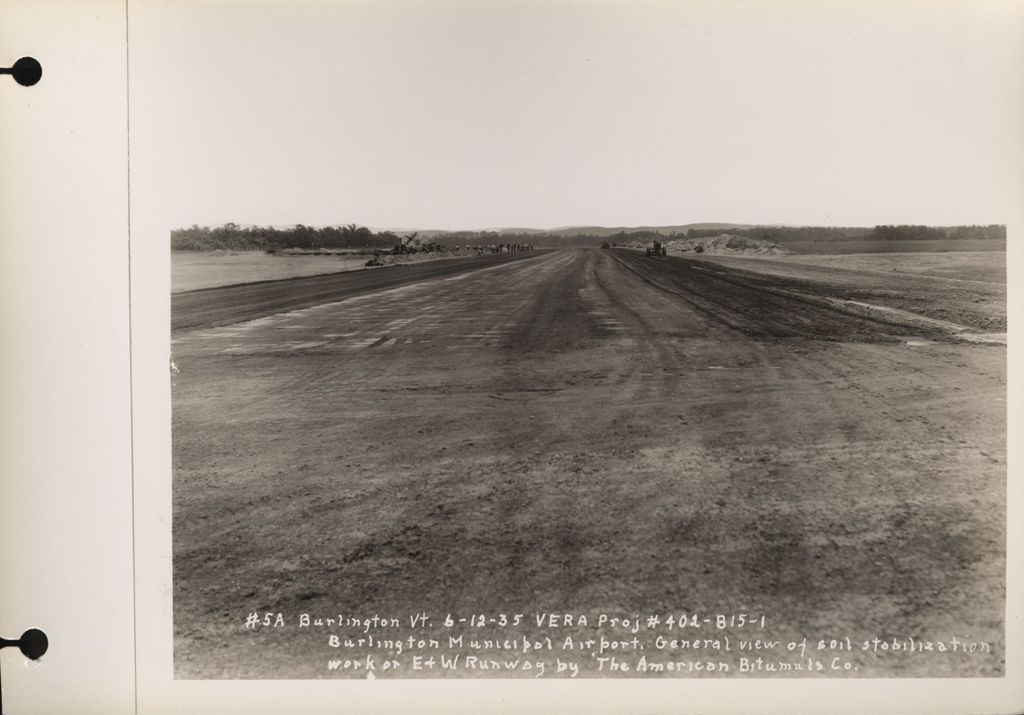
{"type": "Point", "coordinates": [726, 245]}
{"type": "Point", "coordinates": [402, 259]}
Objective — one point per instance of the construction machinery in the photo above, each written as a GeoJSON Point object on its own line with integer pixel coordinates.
{"type": "Point", "coordinates": [658, 249]}
{"type": "Point", "coordinates": [406, 244]}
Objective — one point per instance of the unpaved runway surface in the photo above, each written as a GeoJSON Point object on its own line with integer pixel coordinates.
{"type": "Point", "coordinates": [228, 304]}
{"type": "Point", "coordinates": [587, 432]}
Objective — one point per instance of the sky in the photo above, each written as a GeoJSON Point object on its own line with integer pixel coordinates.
{"type": "Point", "coordinates": [455, 114]}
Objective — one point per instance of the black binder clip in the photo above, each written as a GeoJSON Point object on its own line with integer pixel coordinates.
{"type": "Point", "coordinates": [32, 644]}
{"type": "Point", "coordinates": [26, 71]}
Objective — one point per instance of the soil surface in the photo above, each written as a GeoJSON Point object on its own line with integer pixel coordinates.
{"type": "Point", "coordinates": [964, 288]}
{"type": "Point", "coordinates": [226, 304]}
{"type": "Point", "coordinates": [726, 244]}
{"type": "Point", "coordinates": [592, 432]}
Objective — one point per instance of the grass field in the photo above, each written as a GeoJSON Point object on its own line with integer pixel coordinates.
{"type": "Point", "coordinates": [972, 286]}
{"type": "Point", "coordinates": [192, 270]}
{"type": "Point", "coordinates": [984, 266]}
{"type": "Point", "coordinates": [940, 246]}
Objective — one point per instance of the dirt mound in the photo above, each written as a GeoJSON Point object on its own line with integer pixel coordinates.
{"type": "Point", "coordinates": [727, 244]}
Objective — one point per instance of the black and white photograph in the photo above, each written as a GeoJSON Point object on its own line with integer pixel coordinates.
{"type": "Point", "coordinates": [588, 340]}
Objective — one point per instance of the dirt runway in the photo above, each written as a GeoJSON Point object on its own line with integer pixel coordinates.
{"type": "Point", "coordinates": [227, 304]}
{"type": "Point", "coordinates": [588, 431]}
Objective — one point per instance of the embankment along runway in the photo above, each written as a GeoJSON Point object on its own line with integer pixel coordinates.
{"type": "Point", "coordinates": [585, 431]}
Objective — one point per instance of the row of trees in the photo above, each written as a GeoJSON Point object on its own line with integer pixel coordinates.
{"type": "Point", "coordinates": [786, 234]}
{"type": "Point", "coordinates": [926, 233]}
{"type": "Point", "coordinates": [231, 236]}
{"type": "Point", "coordinates": [789, 234]}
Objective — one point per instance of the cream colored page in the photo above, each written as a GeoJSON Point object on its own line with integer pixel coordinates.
{"type": "Point", "coordinates": [65, 470]}
{"type": "Point", "coordinates": [66, 539]}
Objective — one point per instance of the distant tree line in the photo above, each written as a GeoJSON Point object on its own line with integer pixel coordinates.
{"type": "Point", "coordinates": [926, 233]}
{"type": "Point", "coordinates": [787, 234]}
{"type": "Point", "coordinates": [231, 236]}
{"type": "Point", "coordinates": [790, 234]}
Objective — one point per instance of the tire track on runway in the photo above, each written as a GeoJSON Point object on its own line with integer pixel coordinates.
{"type": "Point", "coordinates": [761, 310]}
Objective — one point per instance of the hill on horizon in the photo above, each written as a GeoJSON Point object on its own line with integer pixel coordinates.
{"type": "Point", "coordinates": [572, 231]}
